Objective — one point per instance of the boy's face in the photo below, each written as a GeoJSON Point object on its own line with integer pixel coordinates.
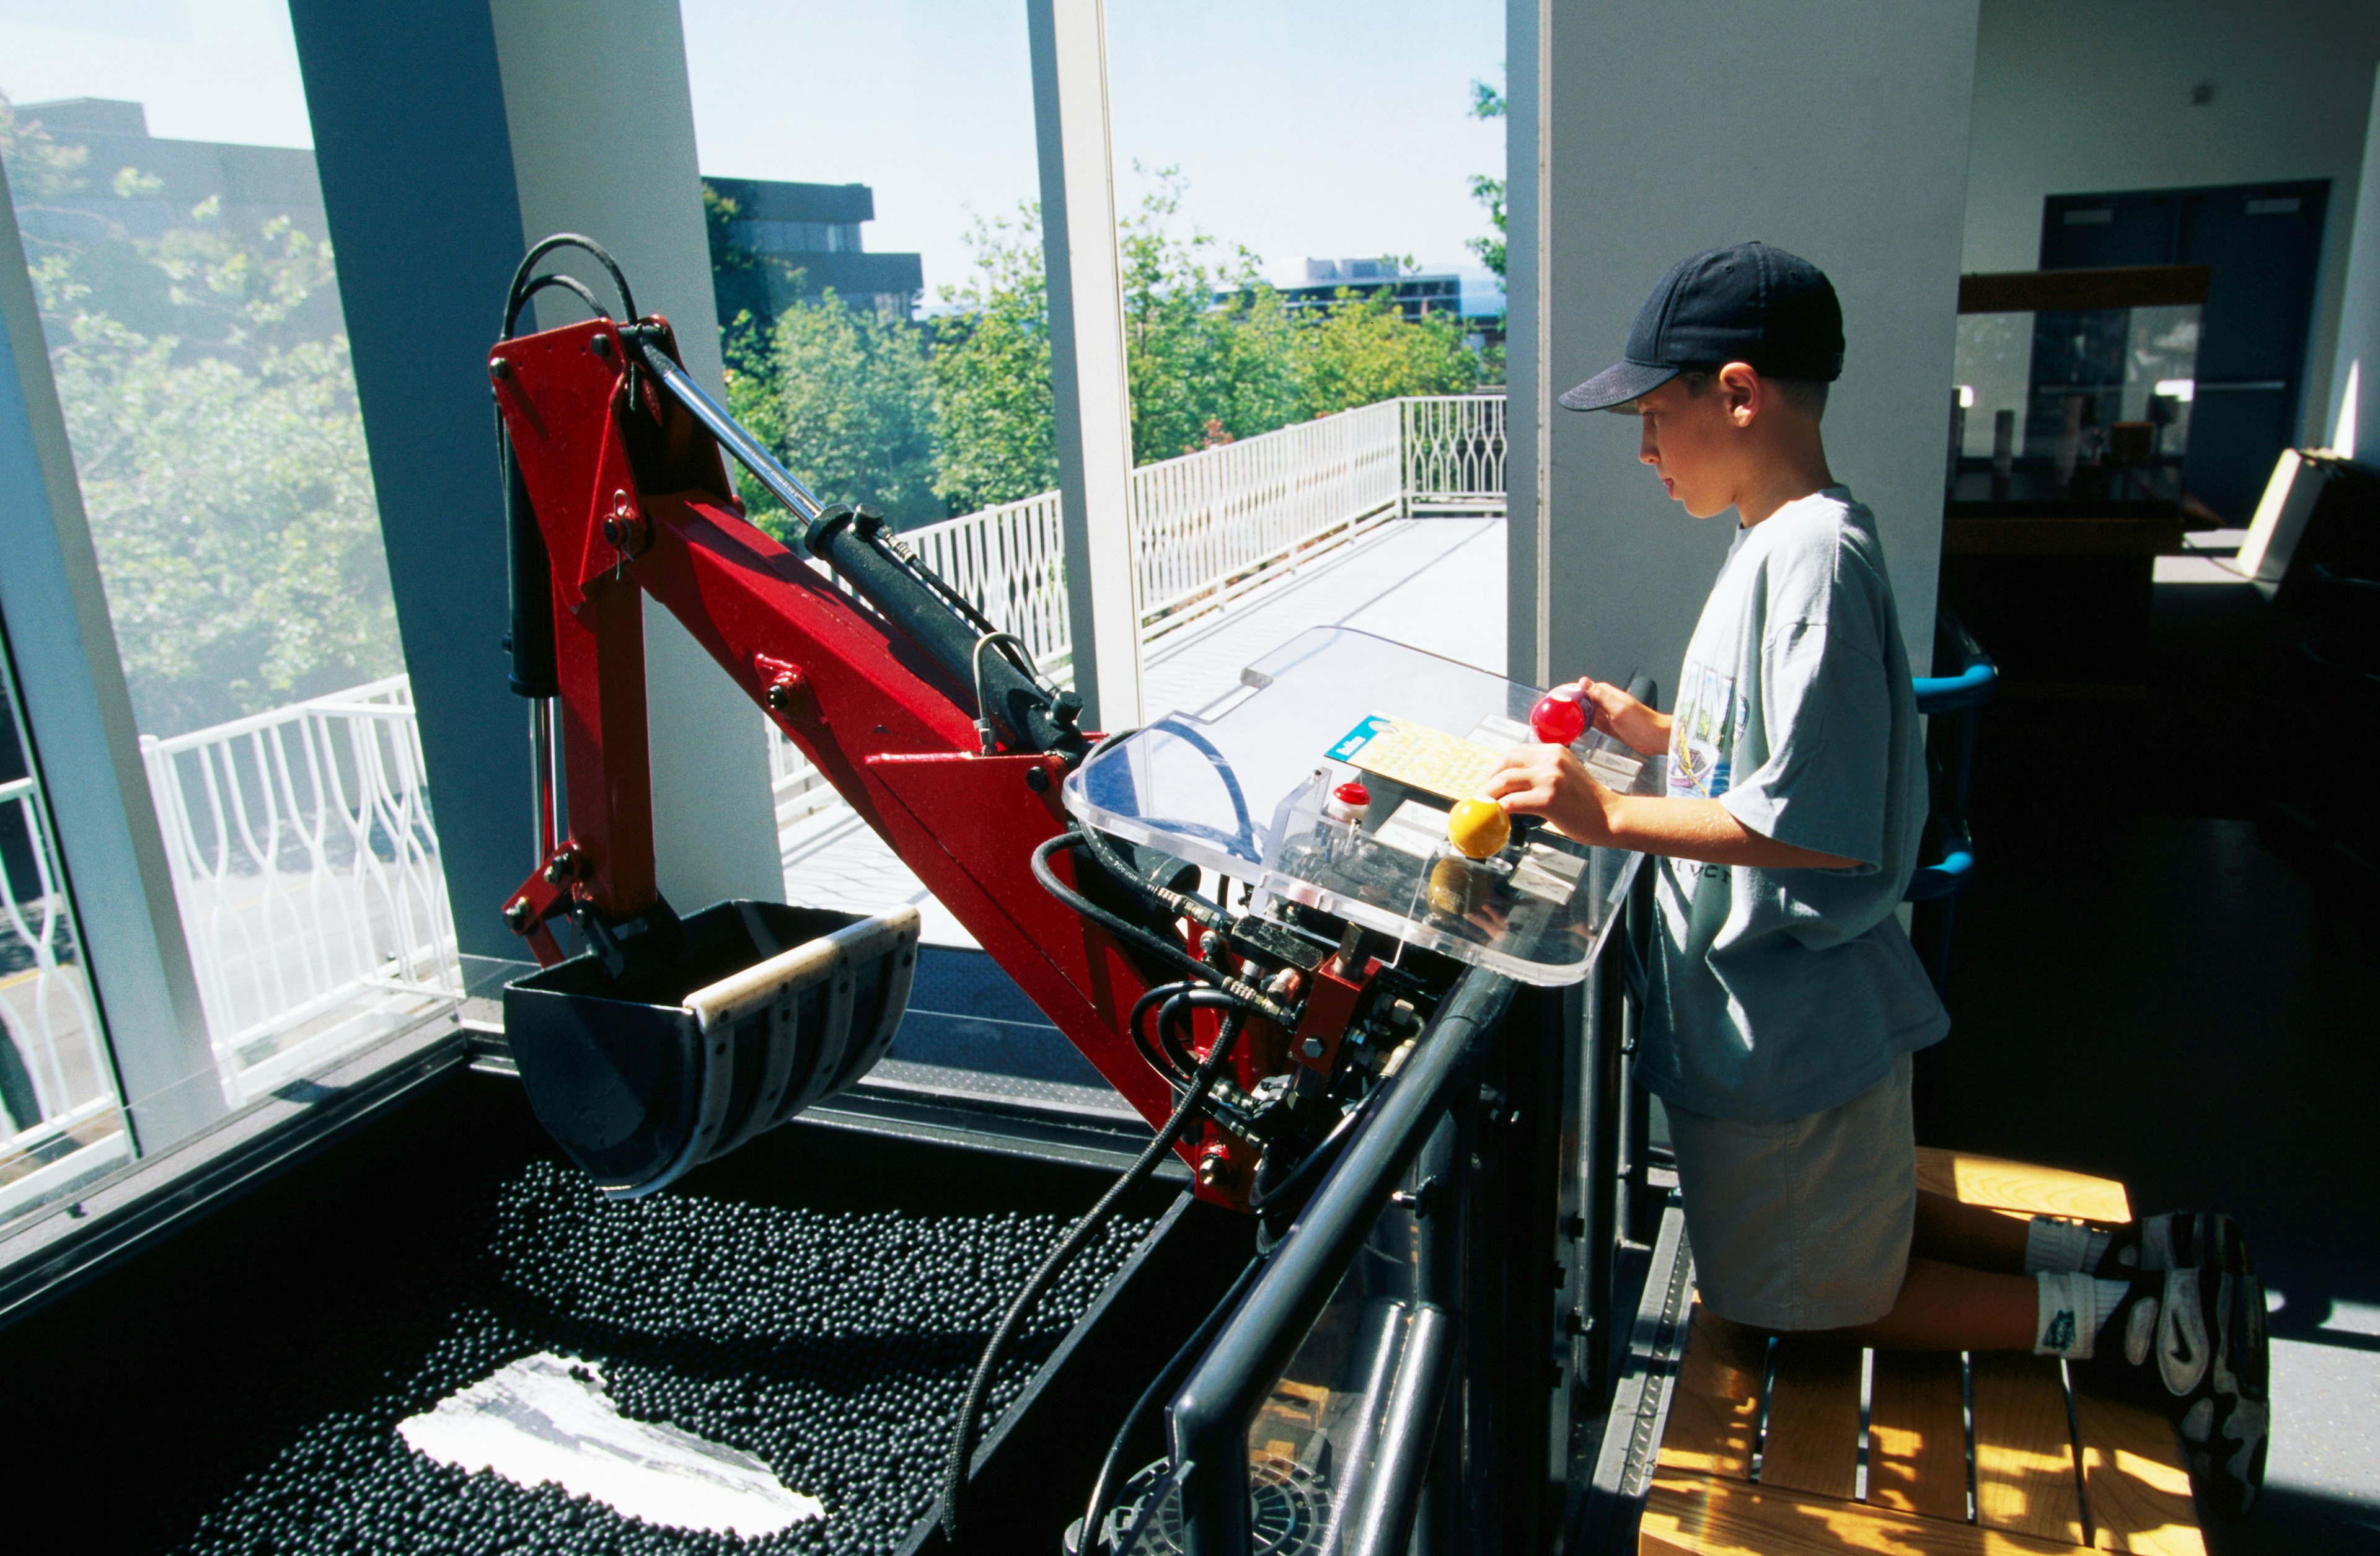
{"type": "Point", "coordinates": [1693, 443]}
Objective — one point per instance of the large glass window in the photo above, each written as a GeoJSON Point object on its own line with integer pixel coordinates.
{"type": "Point", "coordinates": [878, 266]}
{"type": "Point", "coordinates": [1339, 187]}
{"type": "Point", "coordinates": [1311, 255]}
{"type": "Point", "coordinates": [160, 161]}
{"type": "Point", "coordinates": [1311, 239]}
{"type": "Point", "coordinates": [60, 1118]}
{"type": "Point", "coordinates": [877, 271]}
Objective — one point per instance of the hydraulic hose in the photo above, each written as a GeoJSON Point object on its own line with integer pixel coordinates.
{"type": "Point", "coordinates": [1173, 1032]}
{"type": "Point", "coordinates": [1187, 905]}
{"type": "Point", "coordinates": [1158, 1061]}
{"type": "Point", "coordinates": [1263, 1200]}
{"type": "Point", "coordinates": [1173, 956]}
{"type": "Point", "coordinates": [996, 1350]}
{"type": "Point", "coordinates": [1198, 909]}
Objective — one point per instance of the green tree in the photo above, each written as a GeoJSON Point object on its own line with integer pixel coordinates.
{"type": "Point", "coordinates": [1363, 351]}
{"type": "Point", "coordinates": [1214, 354]}
{"type": "Point", "coordinates": [991, 371]}
{"type": "Point", "coordinates": [1487, 102]}
{"type": "Point", "coordinates": [858, 404]}
{"type": "Point", "coordinates": [218, 444]}
{"type": "Point", "coordinates": [1202, 371]}
{"type": "Point", "coordinates": [845, 397]}
{"type": "Point", "coordinates": [718, 213]}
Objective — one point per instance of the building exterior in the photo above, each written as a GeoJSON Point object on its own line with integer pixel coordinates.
{"type": "Point", "coordinates": [1415, 292]}
{"type": "Point", "coordinates": [138, 186]}
{"type": "Point", "coordinates": [775, 243]}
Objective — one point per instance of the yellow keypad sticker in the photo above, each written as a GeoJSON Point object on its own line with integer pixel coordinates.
{"type": "Point", "coordinates": [1417, 756]}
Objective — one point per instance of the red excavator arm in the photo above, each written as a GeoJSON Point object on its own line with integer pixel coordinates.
{"type": "Point", "coordinates": [617, 457]}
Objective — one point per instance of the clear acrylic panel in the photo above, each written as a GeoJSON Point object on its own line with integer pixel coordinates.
{"type": "Point", "coordinates": [1242, 791]}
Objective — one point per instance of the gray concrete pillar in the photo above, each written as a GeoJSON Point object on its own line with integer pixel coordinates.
{"type": "Point", "coordinates": [448, 135]}
{"type": "Point", "coordinates": [1087, 355]}
{"type": "Point", "coordinates": [602, 123]}
{"type": "Point", "coordinates": [1836, 129]}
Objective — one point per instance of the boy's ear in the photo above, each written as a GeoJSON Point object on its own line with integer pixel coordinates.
{"type": "Point", "coordinates": [1742, 391]}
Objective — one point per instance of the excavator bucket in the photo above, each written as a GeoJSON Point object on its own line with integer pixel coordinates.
{"type": "Point", "coordinates": [766, 1010]}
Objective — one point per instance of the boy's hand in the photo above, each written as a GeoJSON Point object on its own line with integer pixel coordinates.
{"type": "Point", "coordinates": [1548, 781]}
{"type": "Point", "coordinates": [1624, 719]}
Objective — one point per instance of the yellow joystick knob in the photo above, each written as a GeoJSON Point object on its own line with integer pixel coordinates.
{"type": "Point", "coordinates": [1457, 888]}
{"type": "Point", "coordinates": [1478, 828]}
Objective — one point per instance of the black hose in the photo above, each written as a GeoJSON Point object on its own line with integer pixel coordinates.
{"type": "Point", "coordinates": [1261, 1199]}
{"type": "Point", "coordinates": [1164, 950]}
{"type": "Point", "coordinates": [1140, 1038]}
{"type": "Point", "coordinates": [995, 1351]}
{"type": "Point", "coordinates": [570, 284]}
{"type": "Point", "coordinates": [520, 286]}
{"type": "Point", "coordinates": [1173, 1036]}
{"type": "Point", "coordinates": [1183, 904]}
{"type": "Point", "coordinates": [1165, 1382]}
{"type": "Point", "coordinates": [1188, 905]}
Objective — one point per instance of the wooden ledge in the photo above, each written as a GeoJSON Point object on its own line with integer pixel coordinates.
{"type": "Point", "coordinates": [2020, 1187]}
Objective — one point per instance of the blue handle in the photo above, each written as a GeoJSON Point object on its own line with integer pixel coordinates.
{"type": "Point", "coordinates": [1933, 882]}
{"type": "Point", "coordinates": [1951, 694]}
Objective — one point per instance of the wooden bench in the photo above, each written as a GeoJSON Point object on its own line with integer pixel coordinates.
{"type": "Point", "coordinates": [2044, 1470]}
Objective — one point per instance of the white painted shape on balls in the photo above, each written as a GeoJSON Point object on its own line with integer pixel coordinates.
{"type": "Point", "coordinates": [545, 1417]}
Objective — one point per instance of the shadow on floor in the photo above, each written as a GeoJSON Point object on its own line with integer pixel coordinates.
{"type": "Point", "coordinates": [2142, 989]}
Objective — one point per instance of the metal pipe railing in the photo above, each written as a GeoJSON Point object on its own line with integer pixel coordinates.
{"type": "Point", "coordinates": [1208, 1419]}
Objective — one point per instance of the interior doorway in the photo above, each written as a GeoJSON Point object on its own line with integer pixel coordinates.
{"type": "Point", "coordinates": [2262, 246]}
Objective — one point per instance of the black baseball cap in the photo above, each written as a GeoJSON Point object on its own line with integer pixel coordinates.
{"type": "Point", "coordinates": [1745, 303]}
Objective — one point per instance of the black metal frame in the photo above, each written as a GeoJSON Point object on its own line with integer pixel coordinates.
{"type": "Point", "coordinates": [1207, 1420]}
{"type": "Point", "coordinates": [1509, 1158]}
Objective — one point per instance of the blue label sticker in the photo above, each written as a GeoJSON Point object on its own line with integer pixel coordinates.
{"type": "Point", "coordinates": [1363, 735]}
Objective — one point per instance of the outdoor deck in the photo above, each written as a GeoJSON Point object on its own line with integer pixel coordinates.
{"type": "Point", "coordinates": [1436, 583]}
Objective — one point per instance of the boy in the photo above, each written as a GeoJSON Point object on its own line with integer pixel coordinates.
{"type": "Point", "coordinates": [1785, 1000]}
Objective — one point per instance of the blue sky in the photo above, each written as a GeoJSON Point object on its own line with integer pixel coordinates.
{"type": "Point", "coordinates": [1313, 128]}
{"type": "Point", "coordinates": [1323, 129]}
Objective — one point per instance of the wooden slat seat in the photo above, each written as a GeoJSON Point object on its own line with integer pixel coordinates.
{"type": "Point", "coordinates": [2031, 1478]}
{"type": "Point", "coordinates": [1917, 1434]}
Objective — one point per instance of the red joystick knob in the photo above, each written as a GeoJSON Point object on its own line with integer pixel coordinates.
{"type": "Point", "coordinates": [1560, 717]}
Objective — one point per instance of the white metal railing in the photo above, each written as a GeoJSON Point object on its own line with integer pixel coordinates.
{"type": "Point", "coordinates": [1454, 454]}
{"type": "Point", "coordinates": [1211, 524]}
{"type": "Point", "coordinates": [307, 867]}
{"type": "Point", "coordinates": [1207, 527]}
{"type": "Point", "coordinates": [59, 1119]}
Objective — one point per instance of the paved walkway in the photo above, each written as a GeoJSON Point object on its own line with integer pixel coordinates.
{"type": "Point", "coordinates": [1434, 583]}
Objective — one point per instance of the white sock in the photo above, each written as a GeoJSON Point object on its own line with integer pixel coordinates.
{"type": "Point", "coordinates": [2074, 1307]}
{"type": "Point", "coordinates": [2053, 1245]}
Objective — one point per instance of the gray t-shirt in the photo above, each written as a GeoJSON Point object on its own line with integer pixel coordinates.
{"type": "Point", "coordinates": [1781, 992]}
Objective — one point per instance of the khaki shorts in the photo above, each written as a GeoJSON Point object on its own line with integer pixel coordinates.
{"type": "Point", "coordinates": [1803, 1225]}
